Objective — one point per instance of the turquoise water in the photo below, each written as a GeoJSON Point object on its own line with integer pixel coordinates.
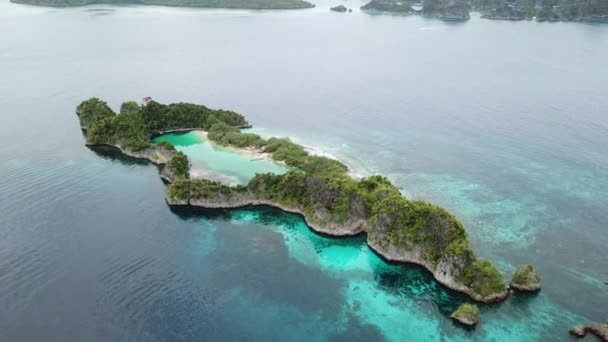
{"type": "Point", "coordinates": [507, 133]}
{"type": "Point", "coordinates": [237, 165]}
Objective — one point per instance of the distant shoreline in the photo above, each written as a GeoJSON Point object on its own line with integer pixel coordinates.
{"type": "Point", "coordinates": [222, 4]}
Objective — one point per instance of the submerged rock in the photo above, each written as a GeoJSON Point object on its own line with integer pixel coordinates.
{"type": "Point", "coordinates": [339, 8]}
{"type": "Point", "coordinates": [598, 329]}
{"type": "Point", "coordinates": [467, 314]}
{"type": "Point", "coordinates": [526, 278]}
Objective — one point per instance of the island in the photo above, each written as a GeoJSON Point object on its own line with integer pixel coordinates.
{"type": "Point", "coordinates": [544, 10]}
{"type": "Point", "coordinates": [339, 8]}
{"type": "Point", "coordinates": [319, 189]}
{"type": "Point", "coordinates": [600, 330]}
{"type": "Point", "coordinates": [467, 314]}
{"type": "Point", "coordinates": [229, 4]}
{"type": "Point", "coordinates": [526, 278]}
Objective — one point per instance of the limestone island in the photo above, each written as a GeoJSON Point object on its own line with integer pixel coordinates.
{"type": "Point", "coordinates": [526, 278]}
{"type": "Point", "coordinates": [317, 188]}
{"type": "Point", "coordinates": [560, 10]}
{"type": "Point", "coordinates": [467, 314]}
{"type": "Point", "coordinates": [229, 4]}
{"type": "Point", "coordinates": [600, 330]}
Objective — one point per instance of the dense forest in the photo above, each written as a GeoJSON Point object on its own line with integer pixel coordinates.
{"type": "Point", "coordinates": [541, 10]}
{"type": "Point", "coordinates": [135, 124]}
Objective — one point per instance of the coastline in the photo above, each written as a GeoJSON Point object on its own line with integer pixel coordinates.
{"type": "Point", "coordinates": [350, 228]}
{"type": "Point", "coordinates": [304, 5]}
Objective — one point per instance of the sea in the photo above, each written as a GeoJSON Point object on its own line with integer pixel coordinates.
{"type": "Point", "coordinates": [504, 124]}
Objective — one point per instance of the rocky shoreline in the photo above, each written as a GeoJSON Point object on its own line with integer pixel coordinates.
{"type": "Point", "coordinates": [600, 330]}
{"type": "Point", "coordinates": [352, 228]}
{"type": "Point", "coordinates": [442, 273]}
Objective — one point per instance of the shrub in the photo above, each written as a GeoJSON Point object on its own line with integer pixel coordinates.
{"type": "Point", "coordinates": [179, 189]}
{"type": "Point", "coordinates": [93, 110]}
{"type": "Point", "coordinates": [179, 165]}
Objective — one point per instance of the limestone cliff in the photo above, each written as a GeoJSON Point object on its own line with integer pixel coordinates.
{"type": "Point", "coordinates": [414, 233]}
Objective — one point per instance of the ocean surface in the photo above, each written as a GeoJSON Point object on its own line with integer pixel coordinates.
{"type": "Point", "coordinates": [505, 124]}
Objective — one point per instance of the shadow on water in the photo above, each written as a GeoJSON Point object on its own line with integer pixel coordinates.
{"type": "Point", "coordinates": [399, 279]}
{"type": "Point", "coordinates": [114, 154]}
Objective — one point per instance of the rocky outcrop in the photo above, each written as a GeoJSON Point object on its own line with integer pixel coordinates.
{"type": "Point", "coordinates": [526, 278]}
{"type": "Point", "coordinates": [446, 271]}
{"type": "Point", "coordinates": [467, 314]}
{"type": "Point", "coordinates": [353, 226]}
{"type": "Point", "coordinates": [339, 8]}
{"type": "Point", "coordinates": [598, 329]}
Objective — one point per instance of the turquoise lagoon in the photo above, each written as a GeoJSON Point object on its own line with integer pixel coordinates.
{"type": "Point", "coordinates": [218, 162]}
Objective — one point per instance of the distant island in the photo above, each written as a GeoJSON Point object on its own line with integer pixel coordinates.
{"type": "Point", "coordinates": [317, 188]}
{"type": "Point", "coordinates": [230, 4]}
{"type": "Point", "coordinates": [541, 10]}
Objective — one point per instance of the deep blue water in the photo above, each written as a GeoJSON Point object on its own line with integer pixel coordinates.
{"type": "Point", "coordinates": [502, 123]}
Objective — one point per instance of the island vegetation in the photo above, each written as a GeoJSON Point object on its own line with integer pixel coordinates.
{"type": "Point", "coordinates": [318, 188]}
{"type": "Point", "coordinates": [132, 128]}
{"type": "Point", "coordinates": [231, 4]}
{"type": "Point", "coordinates": [526, 278]}
{"type": "Point", "coordinates": [467, 314]}
{"type": "Point", "coordinates": [400, 7]}
{"type": "Point", "coordinates": [541, 10]}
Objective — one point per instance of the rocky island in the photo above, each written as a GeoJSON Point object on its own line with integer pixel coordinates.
{"type": "Point", "coordinates": [339, 8]}
{"type": "Point", "coordinates": [526, 278]}
{"type": "Point", "coordinates": [600, 330]}
{"type": "Point", "coordinates": [467, 314]}
{"type": "Point", "coordinates": [317, 188]}
{"type": "Point", "coordinates": [230, 4]}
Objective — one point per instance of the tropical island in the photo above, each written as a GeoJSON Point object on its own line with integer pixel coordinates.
{"type": "Point", "coordinates": [542, 10]}
{"type": "Point", "coordinates": [230, 4]}
{"type": "Point", "coordinates": [318, 188]}
{"type": "Point", "coordinates": [467, 314]}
